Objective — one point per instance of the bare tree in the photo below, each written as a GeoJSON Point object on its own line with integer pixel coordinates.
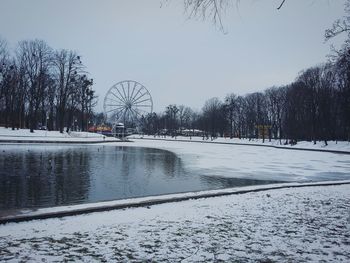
{"type": "Point", "coordinates": [4, 63]}
{"type": "Point", "coordinates": [50, 109]}
{"type": "Point", "coordinates": [342, 83]}
{"type": "Point", "coordinates": [230, 109]}
{"type": "Point", "coordinates": [311, 80]}
{"type": "Point", "coordinates": [85, 98]}
{"type": "Point", "coordinates": [184, 116]}
{"type": "Point", "coordinates": [4, 53]}
{"type": "Point", "coordinates": [67, 66]}
{"type": "Point", "coordinates": [35, 58]}
{"type": "Point", "coordinates": [40, 88]}
{"type": "Point", "coordinates": [341, 25]}
{"type": "Point", "coordinates": [240, 116]}
{"type": "Point", "coordinates": [275, 98]}
{"type": "Point", "coordinates": [213, 117]}
{"type": "Point", "coordinates": [171, 116]}
{"type": "Point", "coordinates": [212, 9]}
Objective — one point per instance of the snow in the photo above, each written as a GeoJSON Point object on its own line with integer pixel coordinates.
{"type": "Point", "coordinates": [291, 225]}
{"type": "Point", "coordinates": [24, 135]}
{"type": "Point", "coordinates": [254, 162]}
{"type": "Point", "coordinates": [337, 146]}
{"type": "Point", "coordinates": [28, 214]}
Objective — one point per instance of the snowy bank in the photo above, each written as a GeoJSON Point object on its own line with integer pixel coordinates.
{"type": "Point", "coordinates": [254, 162]}
{"type": "Point", "coordinates": [42, 136]}
{"type": "Point", "coordinates": [62, 211]}
{"type": "Point", "coordinates": [333, 146]}
{"type": "Point", "coordinates": [289, 225]}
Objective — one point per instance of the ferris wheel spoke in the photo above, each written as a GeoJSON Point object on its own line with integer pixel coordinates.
{"type": "Point", "coordinates": [133, 98]}
{"type": "Point", "coordinates": [138, 102]}
{"type": "Point", "coordinates": [133, 90]}
{"type": "Point", "coordinates": [123, 98]}
{"type": "Point", "coordinates": [128, 115]}
{"type": "Point", "coordinates": [116, 109]}
{"type": "Point", "coordinates": [111, 105]}
{"type": "Point", "coordinates": [126, 98]}
{"type": "Point", "coordinates": [140, 105]}
{"type": "Point", "coordinates": [109, 100]}
{"type": "Point", "coordinates": [137, 112]}
{"type": "Point", "coordinates": [132, 115]}
{"type": "Point", "coordinates": [123, 116]}
{"type": "Point", "coordinates": [118, 101]}
{"type": "Point", "coordinates": [120, 112]}
{"type": "Point", "coordinates": [128, 90]}
{"type": "Point", "coordinates": [119, 98]}
{"type": "Point", "coordinates": [139, 97]}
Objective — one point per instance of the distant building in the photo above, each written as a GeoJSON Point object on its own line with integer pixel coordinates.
{"type": "Point", "coordinates": [102, 129]}
{"type": "Point", "coordinates": [191, 132]}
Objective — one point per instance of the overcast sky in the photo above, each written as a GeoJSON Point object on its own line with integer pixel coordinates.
{"type": "Point", "coordinates": [180, 61]}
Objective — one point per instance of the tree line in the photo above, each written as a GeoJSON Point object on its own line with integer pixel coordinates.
{"type": "Point", "coordinates": [316, 106]}
{"type": "Point", "coordinates": [43, 88]}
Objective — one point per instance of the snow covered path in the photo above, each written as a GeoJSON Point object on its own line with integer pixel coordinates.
{"type": "Point", "coordinates": [293, 225]}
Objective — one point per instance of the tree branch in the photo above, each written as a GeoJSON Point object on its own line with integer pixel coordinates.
{"type": "Point", "coordinates": [278, 8]}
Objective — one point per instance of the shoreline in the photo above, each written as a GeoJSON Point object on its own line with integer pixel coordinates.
{"type": "Point", "coordinates": [26, 215]}
{"type": "Point", "coordinates": [92, 140]}
{"type": "Point", "coordinates": [247, 144]}
{"type": "Point", "coordinates": [296, 225]}
{"type": "Point", "coordinates": [17, 141]}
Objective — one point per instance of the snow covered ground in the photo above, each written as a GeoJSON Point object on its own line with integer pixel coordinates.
{"type": "Point", "coordinates": [9, 135]}
{"type": "Point", "coordinates": [70, 210]}
{"type": "Point", "coordinates": [310, 224]}
{"type": "Point", "coordinates": [342, 146]}
{"type": "Point", "coordinates": [254, 162]}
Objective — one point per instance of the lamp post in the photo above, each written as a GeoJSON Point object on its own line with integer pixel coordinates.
{"type": "Point", "coordinates": [47, 120]}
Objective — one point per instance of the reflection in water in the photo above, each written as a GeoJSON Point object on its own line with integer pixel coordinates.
{"type": "Point", "coordinates": [51, 175]}
{"type": "Point", "coordinates": [224, 182]}
{"type": "Point", "coordinates": [31, 178]}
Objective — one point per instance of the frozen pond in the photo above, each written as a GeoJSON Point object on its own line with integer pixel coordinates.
{"type": "Point", "coordinates": [52, 175]}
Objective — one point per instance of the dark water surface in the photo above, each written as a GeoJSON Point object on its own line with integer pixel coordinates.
{"type": "Point", "coordinates": [52, 175]}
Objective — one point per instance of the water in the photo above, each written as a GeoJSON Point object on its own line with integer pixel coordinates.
{"type": "Point", "coordinates": [49, 175]}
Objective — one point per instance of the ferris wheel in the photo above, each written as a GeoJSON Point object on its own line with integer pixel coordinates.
{"type": "Point", "coordinates": [127, 102]}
